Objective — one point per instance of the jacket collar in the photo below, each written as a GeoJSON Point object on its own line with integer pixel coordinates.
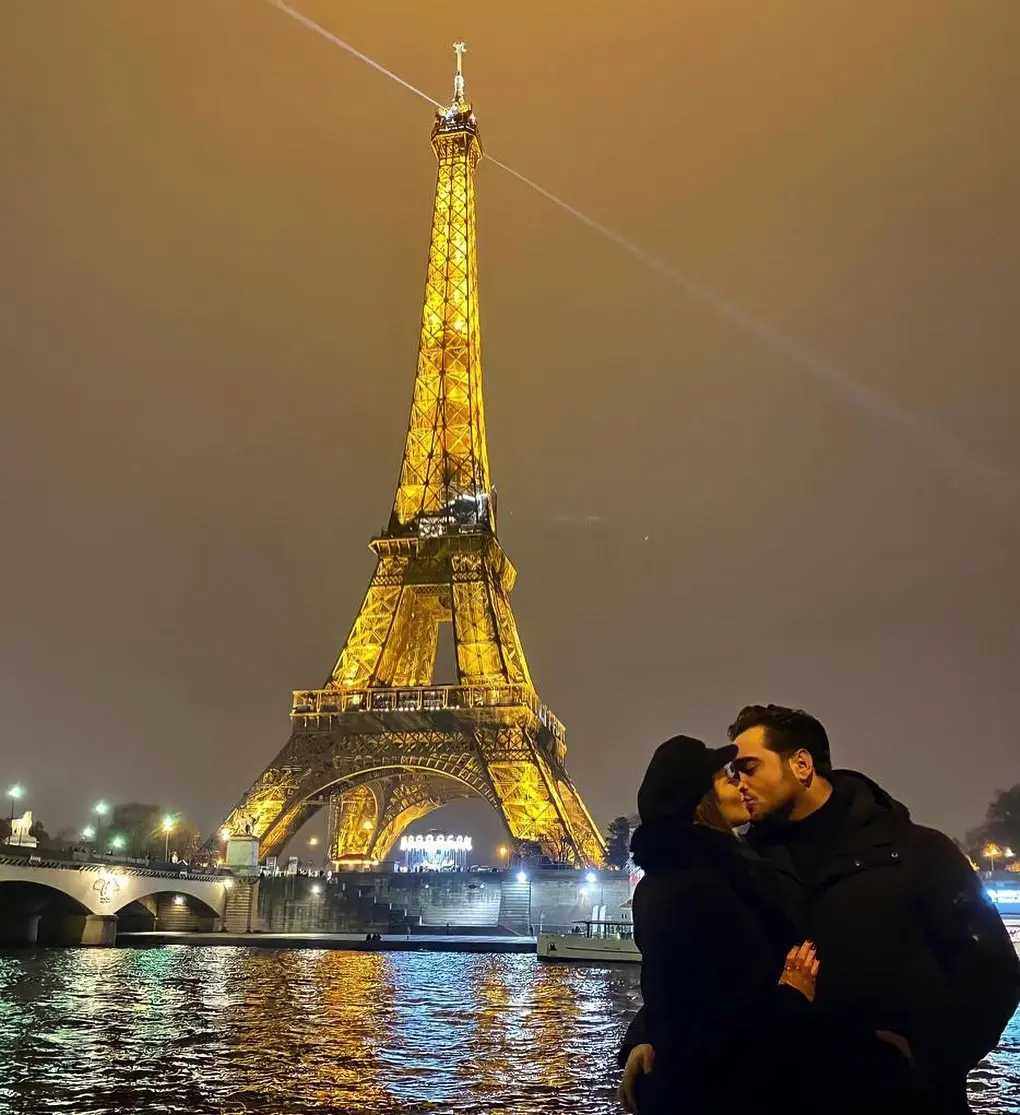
{"type": "Point", "coordinates": [670, 844]}
{"type": "Point", "coordinates": [872, 830]}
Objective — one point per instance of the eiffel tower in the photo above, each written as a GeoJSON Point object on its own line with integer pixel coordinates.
{"type": "Point", "coordinates": [379, 744]}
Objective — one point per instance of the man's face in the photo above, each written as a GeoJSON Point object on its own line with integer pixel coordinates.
{"type": "Point", "coordinates": [768, 783]}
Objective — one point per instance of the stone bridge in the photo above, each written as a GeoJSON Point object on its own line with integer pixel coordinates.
{"type": "Point", "coordinates": [44, 901]}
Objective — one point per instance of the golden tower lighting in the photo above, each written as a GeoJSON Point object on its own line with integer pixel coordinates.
{"type": "Point", "coordinates": [380, 745]}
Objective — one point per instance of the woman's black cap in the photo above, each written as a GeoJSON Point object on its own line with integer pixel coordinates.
{"type": "Point", "coordinates": [678, 777]}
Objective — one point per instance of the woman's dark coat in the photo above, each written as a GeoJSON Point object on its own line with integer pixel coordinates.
{"type": "Point", "coordinates": [710, 923]}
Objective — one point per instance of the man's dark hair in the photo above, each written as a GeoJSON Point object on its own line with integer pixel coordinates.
{"type": "Point", "coordinates": [787, 731]}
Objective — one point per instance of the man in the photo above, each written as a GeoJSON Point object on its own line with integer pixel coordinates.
{"type": "Point", "coordinates": [910, 949]}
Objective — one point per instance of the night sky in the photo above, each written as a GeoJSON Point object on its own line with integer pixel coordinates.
{"type": "Point", "coordinates": [213, 228]}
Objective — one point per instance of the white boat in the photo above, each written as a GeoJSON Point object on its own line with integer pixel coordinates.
{"type": "Point", "coordinates": [1013, 928]}
{"type": "Point", "coordinates": [592, 940]}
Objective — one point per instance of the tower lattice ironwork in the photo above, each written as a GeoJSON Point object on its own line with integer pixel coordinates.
{"type": "Point", "coordinates": [379, 744]}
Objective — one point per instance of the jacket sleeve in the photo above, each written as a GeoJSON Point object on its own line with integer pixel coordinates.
{"type": "Point", "coordinates": [964, 1020]}
{"type": "Point", "coordinates": [637, 1034]}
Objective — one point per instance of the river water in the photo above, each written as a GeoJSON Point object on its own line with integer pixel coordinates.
{"type": "Point", "coordinates": [232, 1030]}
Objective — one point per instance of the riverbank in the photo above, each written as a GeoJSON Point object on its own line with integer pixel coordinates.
{"type": "Point", "coordinates": [349, 942]}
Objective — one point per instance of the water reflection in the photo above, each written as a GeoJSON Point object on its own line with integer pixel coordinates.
{"type": "Point", "coordinates": [215, 1031]}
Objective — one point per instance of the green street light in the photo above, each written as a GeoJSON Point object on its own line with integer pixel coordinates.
{"type": "Point", "coordinates": [168, 827]}
{"type": "Point", "coordinates": [15, 793]}
{"type": "Point", "coordinates": [117, 842]}
{"type": "Point", "coordinates": [100, 809]}
{"type": "Point", "coordinates": [88, 832]}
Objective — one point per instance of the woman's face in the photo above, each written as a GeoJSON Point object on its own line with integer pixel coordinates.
{"type": "Point", "coordinates": [731, 804]}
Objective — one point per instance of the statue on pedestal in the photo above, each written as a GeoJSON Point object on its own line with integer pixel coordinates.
{"type": "Point", "coordinates": [21, 831]}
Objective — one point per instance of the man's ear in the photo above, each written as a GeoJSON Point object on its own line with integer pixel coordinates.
{"type": "Point", "coordinates": [803, 767]}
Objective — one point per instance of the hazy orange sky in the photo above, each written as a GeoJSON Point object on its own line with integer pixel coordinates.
{"type": "Point", "coordinates": [213, 228]}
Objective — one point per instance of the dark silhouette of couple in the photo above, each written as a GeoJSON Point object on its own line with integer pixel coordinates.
{"type": "Point", "coordinates": [836, 958]}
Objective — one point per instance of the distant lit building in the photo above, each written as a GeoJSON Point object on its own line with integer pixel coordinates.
{"type": "Point", "coordinates": [435, 852]}
{"type": "Point", "coordinates": [1005, 897]}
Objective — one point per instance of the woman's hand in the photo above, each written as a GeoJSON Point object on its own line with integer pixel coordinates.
{"type": "Point", "coordinates": [640, 1061]}
{"type": "Point", "coordinates": [897, 1041]}
{"type": "Point", "coordinates": [801, 970]}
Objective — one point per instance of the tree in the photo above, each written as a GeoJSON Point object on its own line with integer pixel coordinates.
{"type": "Point", "coordinates": [1002, 821]}
{"type": "Point", "coordinates": [1001, 827]}
{"type": "Point", "coordinates": [38, 831]}
{"type": "Point", "coordinates": [185, 840]}
{"type": "Point", "coordinates": [618, 842]}
{"type": "Point", "coordinates": [139, 824]}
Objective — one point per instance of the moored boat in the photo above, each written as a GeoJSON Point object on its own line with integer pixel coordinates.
{"type": "Point", "coordinates": [607, 941]}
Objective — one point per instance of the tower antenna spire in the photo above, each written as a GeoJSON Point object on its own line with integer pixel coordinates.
{"type": "Point", "coordinates": [458, 82]}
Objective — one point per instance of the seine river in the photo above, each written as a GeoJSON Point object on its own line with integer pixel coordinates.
{"type": "Point", "coordinates": [230, 1030]}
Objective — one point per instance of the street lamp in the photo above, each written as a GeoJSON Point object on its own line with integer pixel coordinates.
{"type": "Point", "coordinates": [522, 878]}
{"type": "Point", "coordinates": [117, 842]}
{"type": "Point", "coordinates": [88, 832]}
{"type": "Point", "coordinates": [168, 827]}
{"type": "Point", "coordinates": [100, 809]}
{"type": "Point", "coordinates": [991, 851]}
{"type": "Point", "coordinates": [15, 793]}
{"type": "Point", "coordinates": [504, 854]}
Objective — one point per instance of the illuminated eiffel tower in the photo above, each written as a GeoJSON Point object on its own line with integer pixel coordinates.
{"type": "Point", "coordinates": [379, 744]}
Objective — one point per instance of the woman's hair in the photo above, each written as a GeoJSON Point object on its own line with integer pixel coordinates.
{"type": "Point", "coordinates": [709, 814]}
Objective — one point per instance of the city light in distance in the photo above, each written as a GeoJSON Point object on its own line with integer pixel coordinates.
{"type": "Point", "coordinates": [312, 841]}
{"type": "Point", "coordinates": [16, 792]}
{"type": "Point", "coordinates": [224, 833]}
{"type": "Point", "coordinates": [117, 842]}
{"type": "Point", "coordinates": [88, 832]}
{"type": "Point", "coordinates": [101, 808]}
{"type": "Point", "coordinates": [168, 824]}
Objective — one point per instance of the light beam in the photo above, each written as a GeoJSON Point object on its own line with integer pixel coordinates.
{"type": "Point", "coordinates": [953, 451]}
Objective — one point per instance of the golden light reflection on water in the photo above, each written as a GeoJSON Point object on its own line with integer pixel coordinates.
{"type": "Point", "coordinates": [211, 1030]}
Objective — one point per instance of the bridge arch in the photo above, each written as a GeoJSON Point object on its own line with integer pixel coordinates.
{"type": "Point", "coordinates": [33, 912]}
{"type": "Point", "coordinates": [36, 896]}
{"type": "Point", "coordinates": [191, 901]}
{"type": "Point", "coordinates": [166, 909]}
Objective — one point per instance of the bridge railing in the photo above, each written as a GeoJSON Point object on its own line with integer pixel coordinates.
{"type": "Point", "coordinates": [62, 861]}
{"type": "Point", "coordinates": [432, 698]}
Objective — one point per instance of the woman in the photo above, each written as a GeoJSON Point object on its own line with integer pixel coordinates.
{"type": "Point", "coordinates": [725, 981]}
